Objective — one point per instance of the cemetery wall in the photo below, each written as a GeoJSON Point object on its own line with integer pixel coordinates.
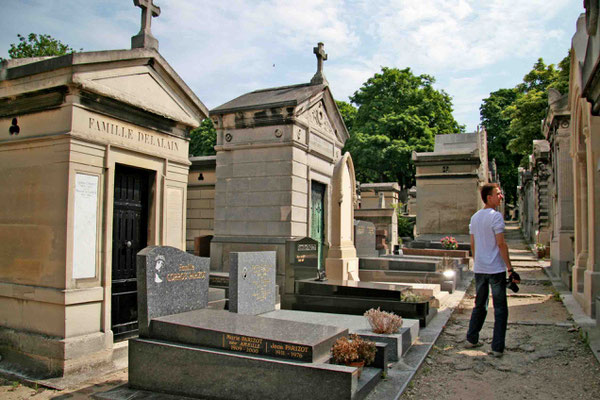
{"type": "Point", "coordinates": [200, 199]}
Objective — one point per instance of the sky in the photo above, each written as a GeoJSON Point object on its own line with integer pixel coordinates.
{"type": "Point", "coordinates": [225, 48]}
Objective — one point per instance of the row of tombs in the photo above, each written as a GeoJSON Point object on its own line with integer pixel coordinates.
{"type": "Point", "coordinates": [98, 198]}
{"type": "Point", "coordinates": [558, 188]}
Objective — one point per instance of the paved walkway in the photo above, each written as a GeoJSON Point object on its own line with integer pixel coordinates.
{"type": "Point", "coordinates": [547, 354]}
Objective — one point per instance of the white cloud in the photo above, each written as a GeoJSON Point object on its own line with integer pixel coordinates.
{"type": "Point", "coordinates": [462, 34]}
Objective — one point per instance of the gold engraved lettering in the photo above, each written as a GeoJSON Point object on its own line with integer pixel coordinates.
{"type": "Point", "coordinates": [299, 349]}
{"type": "Point", "coordinates": [184, 276]}
{"type": "Point", "coordinates": [186, 268]}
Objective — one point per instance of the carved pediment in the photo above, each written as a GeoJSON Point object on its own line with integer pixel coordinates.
{"type": "Point", "coordinates": [141, 87]}
{"type": "Point", "coordinates": [318, 119]}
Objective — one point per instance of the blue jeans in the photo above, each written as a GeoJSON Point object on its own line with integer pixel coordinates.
{"type": "Point", "coordinates": [482, 284]}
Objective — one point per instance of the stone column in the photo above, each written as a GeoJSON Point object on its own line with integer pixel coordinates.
{"type": "Point", "coordinates": [592, 274]}
{"type": "Point", "coordinates": [564, 203]}
{"type": "Point", "coordinates": [581, 211]}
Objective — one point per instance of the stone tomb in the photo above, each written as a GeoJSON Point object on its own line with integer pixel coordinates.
{"type": "Point", "coordinates": [218, 354]}
{"type": "Point", "coordinates": [356, 297]}
{"type": "Point", "coordinates": [252, 288]}
{"type": "Point", "coordinates": [448, 182]}
{"type": "Point", "coordinates": [92, 126]}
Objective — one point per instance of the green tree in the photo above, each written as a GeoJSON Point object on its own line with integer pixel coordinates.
{"type": "Point", "coordinates": [398, 113]}
{"type": "Point", "coordinates": [529, 108]}
{"type": "Point", "coordinates": [203, 139]}
{"type": "Point", "coordinates": [496, 124]}
{"type": "Point", "coordinates": [35, 45]}
{"type": "Point", "coordinates": [348, 112]}
{"type": "Point", "coordinates": [512, 118]}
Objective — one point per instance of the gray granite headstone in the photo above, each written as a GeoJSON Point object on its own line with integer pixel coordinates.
{"type": "Point", "coordinates": [252, 282]}
{"type": "Point", "coordinates": [170, 281]}
{"type": "Point", "coordinates": [364, 239]}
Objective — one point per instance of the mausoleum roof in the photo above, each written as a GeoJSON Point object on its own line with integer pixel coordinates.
{"type": "Point", "coordinates": [105, 73]}
{"type": "Point", "coordinates": [269, 98]}
{"type": "Point", "coordinates": [381, 187]}
{"type": "Point", "coordinates": [456, 143]}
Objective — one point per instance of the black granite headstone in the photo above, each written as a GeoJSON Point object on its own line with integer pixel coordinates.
{"type": "Point", "coordinates": [170, 281]}
{"type": "Point", "coordinates": [252, 282]}
{"type": "Point", "coordinates": [304, 253]}
{"type": "Point", "coordinates": [364, 239]}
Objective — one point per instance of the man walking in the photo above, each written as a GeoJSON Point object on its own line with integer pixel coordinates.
{"type": "Point", "coordinates": [491, 261]}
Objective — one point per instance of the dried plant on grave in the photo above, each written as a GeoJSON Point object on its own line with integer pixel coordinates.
{"type": "Point", "coordinates": [382, 321]}
{"type": "Point", "coordinates": [351, 349]}
{"type": "Point", "coordinates": [411, 297]}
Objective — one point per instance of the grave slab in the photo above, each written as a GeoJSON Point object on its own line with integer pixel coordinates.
{"type": "Point", "coordinates": [248, 334]}
{"type": "Point", "coordinates": [336, 287]}
{"type": "Point", "coordinates": [398, 344]}
{"type": "Point", "coordinates": [220, 374]}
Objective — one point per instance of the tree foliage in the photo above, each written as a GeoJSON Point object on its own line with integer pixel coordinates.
{"type": "Point", "coordinates": [203, 139]}
{"type": "Point", "coordinates": [35, 45]}
{"type": "Point", "coordinates": [512, 118]}
{"type": "Point", "coordinates": [348, 112]}
{"type": "Point", "coordinates": [398, 113]}
{"type": "Point", "coordinates": [497, 125]}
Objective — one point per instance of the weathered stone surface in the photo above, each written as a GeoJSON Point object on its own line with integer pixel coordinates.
{"type": "Point", "coordinates": [252, 282]}
{"type": "Point", "coordinates": [364, 239]}
{"type": "Point", "coordinates": [170, 281]}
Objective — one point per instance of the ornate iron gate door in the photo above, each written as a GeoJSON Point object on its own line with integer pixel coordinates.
{"type": "Point", "coordinates": [130, 216]}
{"type": "Point", "coordinates": [317, 228]}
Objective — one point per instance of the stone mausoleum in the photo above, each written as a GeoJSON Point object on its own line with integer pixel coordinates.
{"type": "Point", "coordinates": [276, 153]}
{"type": "Point", "coordinates": [93, 168]}
{"type": "Point", "coordinates": [448, 182]}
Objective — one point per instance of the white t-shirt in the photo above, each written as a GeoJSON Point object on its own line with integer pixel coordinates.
{"type": "Point", "coordinates": [485, 225]}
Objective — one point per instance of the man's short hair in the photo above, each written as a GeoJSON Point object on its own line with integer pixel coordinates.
{"type": "Point", "coordinates": [487, 190]}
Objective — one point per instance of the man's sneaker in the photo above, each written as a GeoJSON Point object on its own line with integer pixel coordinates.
{"type": "Point", "coordinates": [470, 345]}
{"type": "Point", "coordinates": [496, 354]}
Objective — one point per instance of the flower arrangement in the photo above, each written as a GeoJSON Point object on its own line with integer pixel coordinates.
{"type": "Point", "coordinates": [540, 249]}
{"type": "Point", "coordinates": [382, 321]}
{"type": "Point", "coordinates": [347, 350]}
{"type": "Point", "coordinates": [449, 243]}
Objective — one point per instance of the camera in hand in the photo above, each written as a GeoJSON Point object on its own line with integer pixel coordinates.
{"type": "Point", "coordinates": [510, 281]}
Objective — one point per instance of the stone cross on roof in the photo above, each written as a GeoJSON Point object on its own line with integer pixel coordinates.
{"type": "Point", "coordinates": [144, 38]}
{"type": "Point", "coordinates": [319, 78]}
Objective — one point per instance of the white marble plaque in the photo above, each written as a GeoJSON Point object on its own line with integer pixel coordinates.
{"type": "Point", "coordinates": [84, 226]}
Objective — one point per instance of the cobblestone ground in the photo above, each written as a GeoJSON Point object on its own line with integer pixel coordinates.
{"type": "Point", "coordinates": [546, 356]}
